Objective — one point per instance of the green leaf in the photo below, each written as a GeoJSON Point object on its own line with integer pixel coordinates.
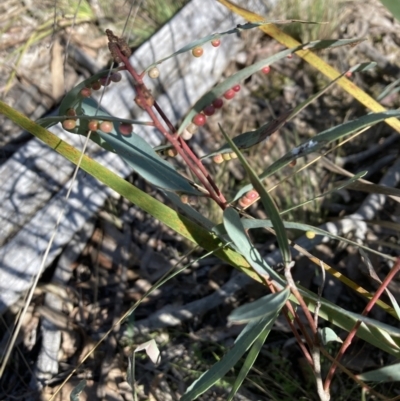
{"type": "Point", "coordinates": [251, 332]}
{"type": "Point", "coordinates": [390, 89]}
{"type": "Point", "coordinates": [258, 309]}
{"type": "Point", "coordinates": [327, 335]}
{"type": "Point", "coordinates": [386, 374]}
{"type": "Point", "coordinates": [249, 362]}
{"type": "Point", "coordinates": [241, 75]}
{"type": "Point", "coordinates": [237, 234]}
{"type": "Point", "coordinates": [320, 140]}
{"type": "Point", "coordinates": [268, 203]}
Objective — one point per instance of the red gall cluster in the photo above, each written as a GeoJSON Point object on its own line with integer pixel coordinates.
{"type": "Point", "coordinates": [103, 81]}
{"type": "Point", "coordinates": [95, 125]}
{"type": "Point", "coordinates": [200, 119]}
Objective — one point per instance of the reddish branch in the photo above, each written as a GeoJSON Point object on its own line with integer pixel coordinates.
{"type": "Point", "coordinates": [145, 100]}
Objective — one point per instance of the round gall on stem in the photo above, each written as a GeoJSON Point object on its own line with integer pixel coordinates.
{"type": "Point", "coordinates": [125, 129]}
{"type": "Point", "coordinates": [218, 103]}
{"type": "Point", "coordinates": [172, 152]}
{"type": "Point", "coordinates": [209, 110]}
{"type": "Point", "coordinates": [266, 69]}
{"type": "Point", "coordinates": [218, 159]}
{"type": "Point", "coordinates": [229, 94]}
{"type": "Point", "coordinates": [93, 125]}
{"type": "Point", "coordinates": [236, 88]}
{"type": "Point", "coordinates": [153, 73]}
{"type": "Point", "coordinates": [226, 156]}
{"type": "Point", "coordinates": [199, 119]}
{"type": "Point", "coordinates": [105, 81]}
{"type": "Point", "coordinates": [106, 126]}
{"type": "Point", "coordinates": [71, 113]}
{"type": "Point", "coordinates": [69, 124]}
{"type": "Point", "coordinates": [86, 92]}
{"type": "Point", "coordinates": [186, 135]}
{"type": "Point", "coordinates": [252, 195]}
{"type": "Point", "coordinates": [116, 77]}
{"type": "Point", "coordinates": [192, 128]}
{"type": "Point", "coordinates": [96, 85]}
{"type": "Point", "coordinates": [244, 202]}
{"type": "Point", "coordinates": [197, 51]}
{"type": "Point", "coordinates": [215, 42]}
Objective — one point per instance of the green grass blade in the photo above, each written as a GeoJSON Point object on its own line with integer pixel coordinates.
{"type": "Point", "coordinates": [268, 203]}
{"type": "Point", "coordinates": [251, 332]}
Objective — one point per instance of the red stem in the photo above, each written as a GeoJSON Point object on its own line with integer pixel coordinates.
{"type": "Point", "coordinates": [353, 332]}
{"type": "Point", "coordinates": [181, 147]}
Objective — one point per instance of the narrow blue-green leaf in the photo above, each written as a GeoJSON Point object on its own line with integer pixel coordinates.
{"type": "Point", "coordinates": [76, 392]}
{"type": "Point", "coordinates": [241, 75]}
{"type": "Point", "coordinates": [146, 162]}
{"type": "Point", "coordinates": [258, 309]}
{"type": "Point", "coordinates": [386, 374]}
{"type": "Point", "coordinates": [389, 89]}
{"type": "Point", "coordinates": [248, 363]}
{"type": "Point", "coordinates": [320, 140]}
{"type": "Point", "coordinates": [251, 138]}
{"type": "Point", "coordinates": [219, 370]}
{"type": "Point", "coordinates": [393, 6]}
{"type": "Point", "coordinates": [237, 234]}
{"type": "Point", "coordinates": [267, 202]}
